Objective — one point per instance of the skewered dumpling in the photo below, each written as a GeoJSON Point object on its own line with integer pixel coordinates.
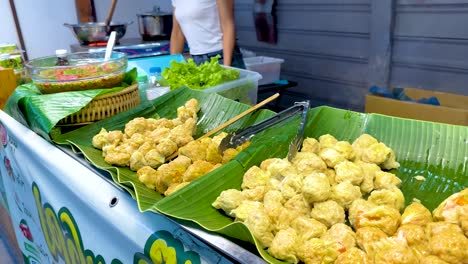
{"type": "Point", "coordinates": [417, 214]}
{"type": "Point", "coordinates": [447, 242]}
{"type": "Point", "coordinates": [328, 212]}
{"type": "Point", "coordinates": [229, 200]}
{"type": "Point", "coordinates": [352, 256]}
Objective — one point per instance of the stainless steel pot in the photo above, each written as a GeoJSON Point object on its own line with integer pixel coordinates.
{"type": "Point", "coordinates": [155, 25]}
{"type": "Point", "coordinates": [92, 32]}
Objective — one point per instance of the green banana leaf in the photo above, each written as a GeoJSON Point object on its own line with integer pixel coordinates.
{"type": "Point", "coordinates": [434, 150]}
{"type": "Point", "coordinates": [215, 110]}
{"type": "Point", "coordinates": [41, 112]}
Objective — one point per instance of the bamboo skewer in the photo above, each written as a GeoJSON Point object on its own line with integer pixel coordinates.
{"type": "Point", "coordinates": [232, 120]}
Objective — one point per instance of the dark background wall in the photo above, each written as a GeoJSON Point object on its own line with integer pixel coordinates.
{"type": "Point", "coordinates": [337, 49]}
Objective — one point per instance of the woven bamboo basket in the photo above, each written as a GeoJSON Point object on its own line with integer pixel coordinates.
{"type": "Point", "coordinates": [104, 106]}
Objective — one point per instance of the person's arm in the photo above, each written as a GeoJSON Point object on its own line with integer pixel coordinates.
{"type": "Point", "coordinates": [226, 17]}
{"type": "Point", "coordinates": [177, 36]}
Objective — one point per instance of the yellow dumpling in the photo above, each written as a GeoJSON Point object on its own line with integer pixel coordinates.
{"type": "Point", "coordinates": [229, 200]}
{"type": "Point", "coordinates": [254, 177]}
{"type": "Point", "coordinates": [356, 208]}
{"type": "Point", "coordinates": [307, 227]}
{"type": "Point", "coordinates": [386, 180]}
{"type": "Point", "coordinates": [261, 227]}
{"type": "Point", "coordinates": [447, 242]}
{"type": "Point", "coordinates": [352, 256]}
{"type": "Point", "coordinates": [392, 197]}
{"type": "Point", "coordinates": [308, 162]}
{"type": "Point", "coordinates": [383, 217]}
{"type": "Point", "coordinates": [390, 250]}
{"type": "Point", "coordinates": [348, 171]}
{"type": "Point", "coordinates": [316, 187]}
{"type": "Point", "coordinates": [368, 173]}
{"type": "Point", "coordinates": [310, 145]}
{"type": "Point", "coordinates": [449, 209]}
{"type": "Point", "coordinates": [341, 234]}
{"type": "Point", "coordinates": [328, 213]}
{"type": "Point", "coordinates": [284, 245]}
{"type": "Point", "coordinates": [345, 194]}
{"type": "Point", "coordinates": [417, 214]}
{"type": "Point", "coordinates": [245, 208]}
{"type": "Point", "coordinates": [316, 250]}
{"type": "Point", "coordinates": [367, 238]}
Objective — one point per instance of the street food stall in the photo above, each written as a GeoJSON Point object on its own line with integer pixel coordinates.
{"type": "Point", "coordinates": [95, 171]}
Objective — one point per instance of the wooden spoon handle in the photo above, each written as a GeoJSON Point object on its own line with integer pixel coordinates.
{"type": "Point", "coordinates": [232, 120]}
{"type": "Point", "coordinates": [239, 116]}
{"type": "Point", "coordinates": [111, 12]}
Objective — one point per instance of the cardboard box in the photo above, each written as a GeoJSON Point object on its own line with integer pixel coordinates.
{"type": "Point", "coordinates": [453, 108]}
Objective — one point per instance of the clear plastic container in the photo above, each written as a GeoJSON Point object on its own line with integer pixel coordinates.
{"type": "Point", "coordinates": [243, 90]}
{"type": "Point", "coordinates": [85, 71]}
{"type": "Point", "coordinates": [154, 88]}
{"type": "Point", "coordinates": [268, 67]}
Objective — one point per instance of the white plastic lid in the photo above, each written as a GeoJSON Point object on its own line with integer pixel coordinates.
{"type": "Point", "coordinates": [61, 52]}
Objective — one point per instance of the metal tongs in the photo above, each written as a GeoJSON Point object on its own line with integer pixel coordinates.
{"type": "Point", "coordinates": [241, 136]}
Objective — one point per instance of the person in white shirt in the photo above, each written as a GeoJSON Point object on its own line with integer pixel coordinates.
{"type": "Point", "coordinates": [208, 26]}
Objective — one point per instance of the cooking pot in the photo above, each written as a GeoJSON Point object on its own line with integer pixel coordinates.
{"type": "Point", "coordinates": [92, 32]}
{"type": "Point", "coordinates": [155, 24]}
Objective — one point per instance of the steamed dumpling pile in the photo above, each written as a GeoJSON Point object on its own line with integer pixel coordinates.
{"type": "Point", "coordinates": [333, 203]}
